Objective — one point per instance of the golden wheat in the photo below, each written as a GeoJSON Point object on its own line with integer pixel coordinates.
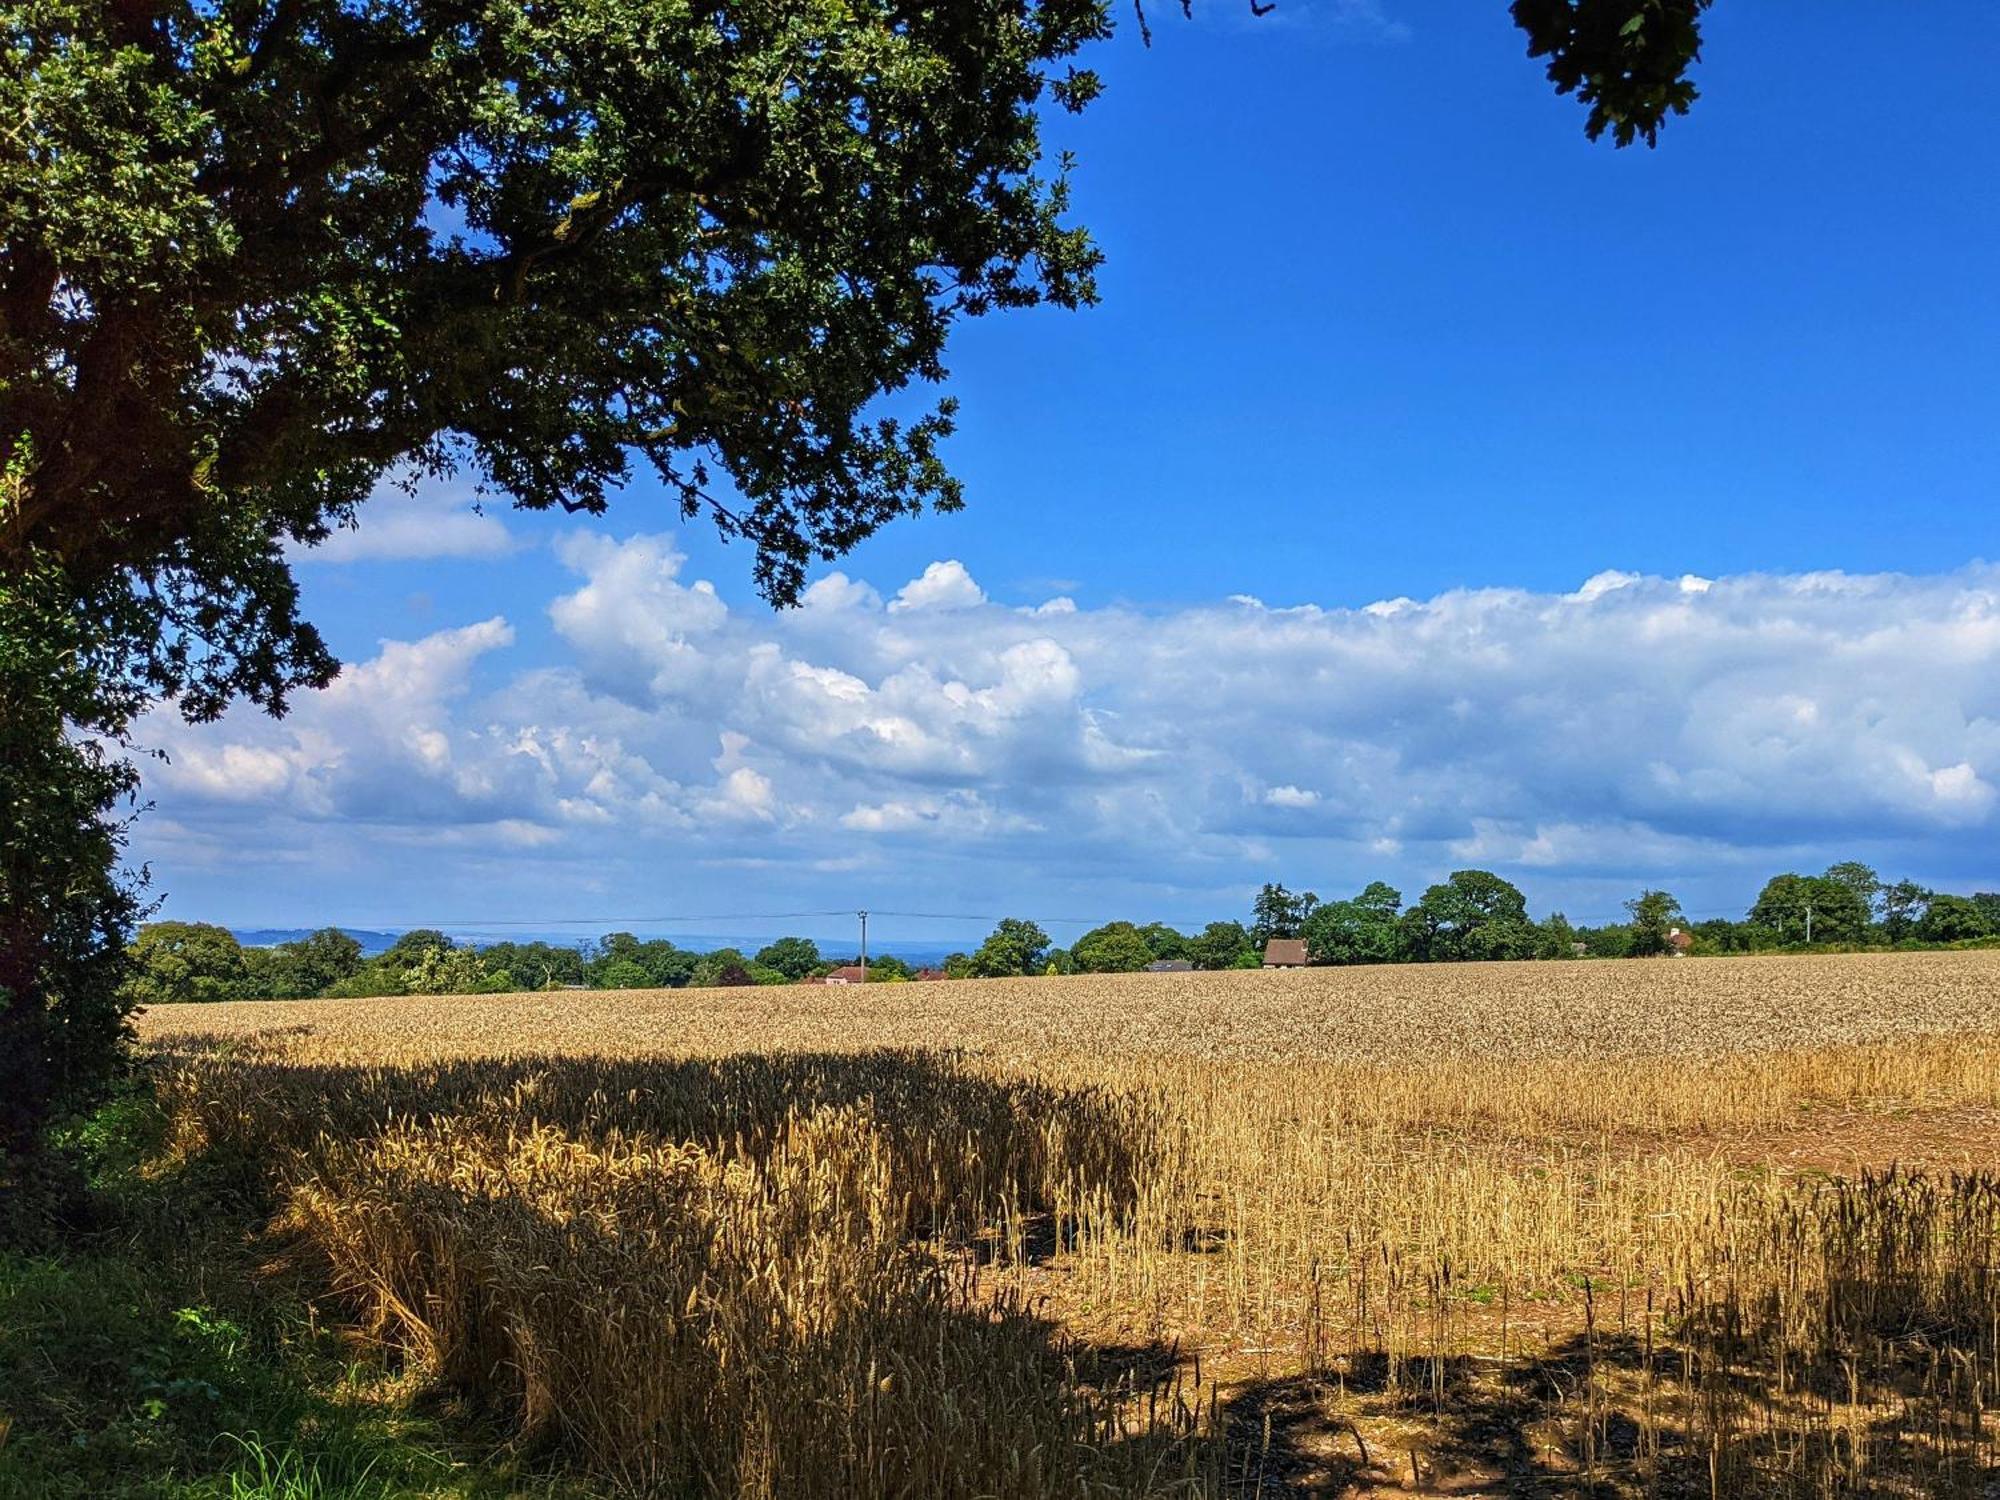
{"type": "Point", "coordinates": [783, 1242]}
{"type": "Point", "coordinates": [1395, 1015]}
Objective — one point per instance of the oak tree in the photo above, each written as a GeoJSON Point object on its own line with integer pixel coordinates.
{"type": "Point", "coordinates": [258, 257]}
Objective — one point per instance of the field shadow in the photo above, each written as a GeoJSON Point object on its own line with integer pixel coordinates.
{"type": "Point", "coordinates": [1598, 1415]}
{"type": "Point", "coordinates": [1903, 1353]}
{"type": "Point", "coordinates": [690, 1337]}
{"type": "Point", "coordinates": [968, 1148]}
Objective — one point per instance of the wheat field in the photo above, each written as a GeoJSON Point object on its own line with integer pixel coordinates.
{"type": "Point", "coordinates": [1704, 1227]}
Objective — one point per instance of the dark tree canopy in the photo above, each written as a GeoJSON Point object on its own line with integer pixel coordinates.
{"type": "Point", "coordinates": [1279, 913]}
{"type": "Point", "coordinates": [257, 256]}
{"type": "Point", "coordinates": [793, 957]}
{"type": "Point", "coordinates": [1221, 945]}
{"type": "Point", "coordinates": [1655, 914]}
{"type": "Point", "coordinates": [1472, 914]}
{"type": "Point", "coordinates": [1830, 907]}
{"type": "Point", "coordinates": [1115, 948]}
{"type": "Point", "coordinates": [1015, 946]}
{"type": "Point", "coordinates": [1365, 930]}
{"type": "Point", "coordinates": [1951, 919]}
{"type": "Point", "coordinates": [66, 911]}
{"type": "Point", "coordinates": [1627, 60]}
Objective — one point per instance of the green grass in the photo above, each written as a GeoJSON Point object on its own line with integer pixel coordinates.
{"type": "Point", "coordinates": [154, 1360]}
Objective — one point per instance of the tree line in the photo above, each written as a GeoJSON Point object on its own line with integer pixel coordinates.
{"type": "Point", "coordinates": [195, 962]}
{"type": "Point", "coordinates": [1478, 915]}
{"type": "Point", "coordinates": [1470, 915]}
{"type": "Point", "coordinates": [1475, 914]}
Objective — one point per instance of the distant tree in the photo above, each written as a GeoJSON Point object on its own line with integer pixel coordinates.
{"type": "Point", "coordinates": [1858, 878]}
{"type": "Point", "coordinates": [1279, 913]}
{"type": "Point", "coordinates": [670, 966]}
{"type": "Point", "coordinates": [1473, 914]}
{"type": "Point", "coordinates": [541, 966]}
{"type": "Point", "coordinates": [621, 974]}
{"type": "Point", "coordinates": [181, 963]}
{"type": "Point", "coordinates": [1839, 913]}
{"type": "Point", "coordinates": [262, 979]}
{"type": "Point", "coordinates": [662, 963]}
{"type": "Point", "coordinates": [1221, 945]}
{"type": "Point", "coordinates": [1555, 937]}
{"type": "Point", "coordinates": [1844, 903]}
{"type": "Point", "coordinates": [1655, 914]}
{"type": "Point", "coordinates": [1115, 948]}
{"type": "Point", "coordinates": [1612, 940]}
{"type": "Point", "coordinates": [712, 968]}
{"type": "Point", "coordinates": [617, 945]}
{"type": "Point", "coordinates": [1014, 947]}
{"type": "Point", "coordinates": [1060, 961]}
{"type": "Point", "coordinates": [1164, 941]}
{"type": "Point", "coordinates": [958, 966]}
{"type": "Point", "coordinates": [1720, 935]}
{"type": "Point", "coordinates": [793, 957]}
{"type": "Point", "coordinates": [410, 948]}
{"type": "Point", "coordinates": [1988, 903]}
{"type": "Point", "coordinates": [886, 968]}
{"type": "Point", "coordinates": [446, 971]}
{"type": "Point", "coordinates": [1903, 905]}
{"type": "Point", "coordinates": [1364, 930]}
{"type": "Point", "coordinates": [313, 964]}
{"type": "Point", "coordinates": [1781, 906]}
{"type": "Point", "coordinates": [1952, 919]}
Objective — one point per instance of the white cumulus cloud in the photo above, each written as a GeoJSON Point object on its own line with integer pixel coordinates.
{"type": "Point", "coordinates": [1638, 729]}
{"type": "Point", "coordinates": [942, 585]}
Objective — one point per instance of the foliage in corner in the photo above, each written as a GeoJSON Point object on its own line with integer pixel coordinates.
{"type": "Point", "coordinates": [1627, 60]}
{"type": "Point", "coordinates": [67, 907]}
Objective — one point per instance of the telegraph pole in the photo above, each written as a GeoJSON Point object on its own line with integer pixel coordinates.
{"type": "Point", "coordinates": [1809, 924]}
{"type": "Point", "coordinates": [864, 945]}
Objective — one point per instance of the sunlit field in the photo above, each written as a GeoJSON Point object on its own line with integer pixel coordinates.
{"type": "Point", "coordinates": [1700, 1227]}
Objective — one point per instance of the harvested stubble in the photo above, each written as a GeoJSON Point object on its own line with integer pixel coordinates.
{"type": "Point", "coordinates": [699, 1268]}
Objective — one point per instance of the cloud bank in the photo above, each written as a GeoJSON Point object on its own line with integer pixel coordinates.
{"type": "Point", "coordinates": [933, 743]}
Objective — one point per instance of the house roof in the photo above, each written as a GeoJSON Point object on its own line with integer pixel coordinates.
{"type": "Point", "coordinates": [1282, 953]}
{"type": "Point", "coordinates": [847, 974]}
{"type": "Point", "coordinates": [1170, 966]}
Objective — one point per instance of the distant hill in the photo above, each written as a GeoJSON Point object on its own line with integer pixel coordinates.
{"type": "Point", "coordinates": [371, 943]}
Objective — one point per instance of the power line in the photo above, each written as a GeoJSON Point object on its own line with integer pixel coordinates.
{"type": "Point", "coordinates": [740, 916]}
{"type": "Point", "coordinates": [940, 916]}
{"type": "Point", "coordinates": [737, 916]}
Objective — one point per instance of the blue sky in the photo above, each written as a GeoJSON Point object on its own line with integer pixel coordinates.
{"type": "Point", "coordinates": [1378, 324]}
